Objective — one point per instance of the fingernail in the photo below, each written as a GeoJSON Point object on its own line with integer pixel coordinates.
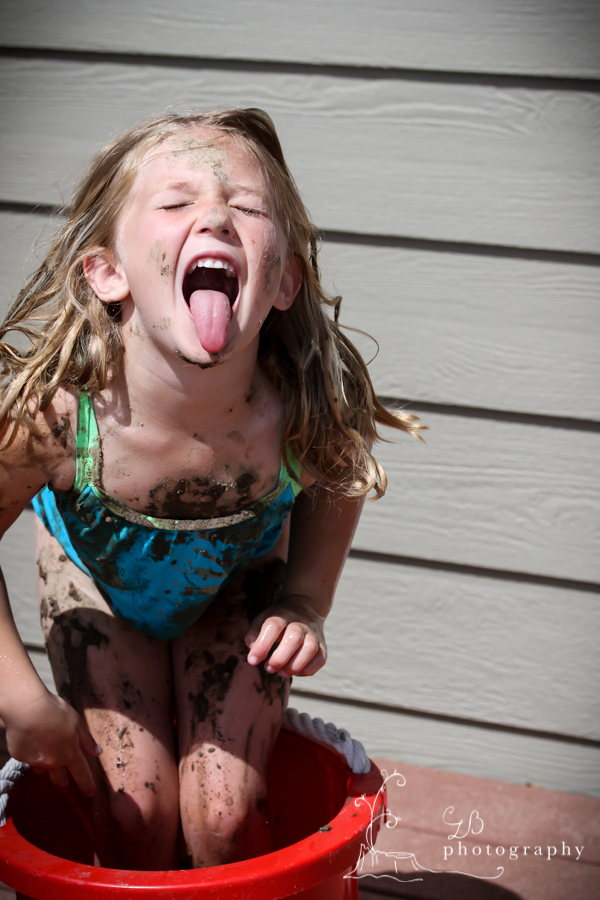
{"type": "Point", "coordinates": [98, 749]}
{"type": "Point", "coordinates": [252, 659]}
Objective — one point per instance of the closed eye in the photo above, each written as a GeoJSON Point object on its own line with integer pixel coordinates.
{"type": "Point", "coordinates": [176, 205]}
{"type": "Point", "coordinates": [250, 211]}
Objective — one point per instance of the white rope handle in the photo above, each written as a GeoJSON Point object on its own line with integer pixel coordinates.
{"type": "Point", "coordinates": [11, 772]}
{"type": "Point", "coordinates": [338, 738]}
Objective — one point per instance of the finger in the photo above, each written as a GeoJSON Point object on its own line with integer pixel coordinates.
{"type": "Point", "coordinates": [82, 776]}
{"type": "Point", "coordinates": [253, 631]}
{"type": "Point", "coordinates": [305, 654]}
{"type": "Point", "coordinates": [269, 635]}
{"type": "Point", "coordinates": [303, 657]}
{"type": "Point", "coordinates": [291, 643]}
{"type": "Point", "coordinates": [59, 778]}
{"type": "Point", "coordinates": [87, 742]}
{"type": "Point", "coordinates": [316, 663]}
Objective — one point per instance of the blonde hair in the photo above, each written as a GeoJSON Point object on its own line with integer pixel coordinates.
{"type": "Point", "coordinates": [332, 412]}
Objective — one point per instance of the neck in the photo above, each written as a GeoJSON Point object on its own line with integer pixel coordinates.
{"type": "Point", "coordinates": [173, 392]}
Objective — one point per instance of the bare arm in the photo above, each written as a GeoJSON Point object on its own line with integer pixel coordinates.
{"type": "Point", "coordinates": [41, 729]}
{"type": "Point", "coordinates": [321, 534]}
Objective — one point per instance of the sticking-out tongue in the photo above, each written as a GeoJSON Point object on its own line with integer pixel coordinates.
{"type": "Point", "coordinates": [211, 312]}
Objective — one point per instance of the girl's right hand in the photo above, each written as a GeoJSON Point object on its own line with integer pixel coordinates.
{"type": "Point", "coordinates": [49, 735]}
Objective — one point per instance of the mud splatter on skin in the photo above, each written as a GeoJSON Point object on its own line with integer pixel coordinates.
{"type": "Point", "coordinates": [62, 431]}
{"type": "Point", "coordinates": [200, 365]}
{"type": "Point", "coordinates": [162, 325]}
{"type": "Point", "coordinates": [77, 637]}
{"type": "Point", "coordinates": [273, 687]}
{"type": "Point", "coordinates": [216, 681]}
{"type": "Point", "coordinates": [158, 254]}
{"type": "Point", "coordinates": [243, 485]}
{"type": "Point", "coordinates": [202, 155]}
{"type": "Point", "coordinates": [197, 497]}
{"type": "Point", "coordinates": [262, 587]}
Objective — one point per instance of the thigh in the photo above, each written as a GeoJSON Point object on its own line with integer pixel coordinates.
{"type": "Point", "coordinates": [119, 680]}
{"type": "Point", "coordinates": [229, 714]}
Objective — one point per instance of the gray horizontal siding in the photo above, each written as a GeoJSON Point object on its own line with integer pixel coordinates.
{"type": "Point", "coordinates": [491, 493]}
{"type": "Point", "coordinates": [456, 162]}
{"type": "Point", "coordinates": [463, 645]}
{"type": "Point", "coordinates": [472, 330]}
{"type": "Point", "coordinates": [546, 37]}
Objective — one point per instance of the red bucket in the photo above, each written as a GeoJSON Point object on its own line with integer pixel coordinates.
{"type": "Point", "coordinates": [319, 826]}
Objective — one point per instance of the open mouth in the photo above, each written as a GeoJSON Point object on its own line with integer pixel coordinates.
{"type": "Point", "coordinates": [211, 275]}
{"type": "Point", "coordinates": [210, 288]}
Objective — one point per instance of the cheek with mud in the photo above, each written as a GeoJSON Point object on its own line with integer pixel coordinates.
{"type": "Point", "coordinates": [158, 256]}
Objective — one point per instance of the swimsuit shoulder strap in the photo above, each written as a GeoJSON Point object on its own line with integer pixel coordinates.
{"type": "Point", "coordinates": [296, 468]}
{"type": "Point", "coordinates": [87, 444]}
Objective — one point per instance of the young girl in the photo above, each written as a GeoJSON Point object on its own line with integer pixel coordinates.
{"type": "Point", "coordinates": [195, 433]}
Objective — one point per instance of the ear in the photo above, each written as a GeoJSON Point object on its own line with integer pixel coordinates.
{"type": "Point", "coordinates": [291, 282]}
{"type": "Point", "coordinates": [106, 276]}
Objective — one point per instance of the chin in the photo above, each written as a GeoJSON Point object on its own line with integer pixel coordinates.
{"type": "Point", "coordinates": [199, 363]}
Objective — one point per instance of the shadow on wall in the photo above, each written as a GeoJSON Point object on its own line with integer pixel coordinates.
{"type": "Point", "coordinates": [432, 886]}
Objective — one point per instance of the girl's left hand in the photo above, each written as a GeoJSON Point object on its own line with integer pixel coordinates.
{"type": "Point", "coordinates": [298, 629]}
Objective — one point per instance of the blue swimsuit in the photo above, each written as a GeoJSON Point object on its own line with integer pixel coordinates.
{"type": "Point", "coordinates": [157, 574]}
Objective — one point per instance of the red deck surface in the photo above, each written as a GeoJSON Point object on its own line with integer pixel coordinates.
{"type": "Point", "coordinates": [494, 815]}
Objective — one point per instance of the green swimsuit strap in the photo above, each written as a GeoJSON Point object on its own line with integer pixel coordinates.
{"type": "Point", "coordinates": [87, 444]}
{"type": "Point", "coordinates": [294, 465]}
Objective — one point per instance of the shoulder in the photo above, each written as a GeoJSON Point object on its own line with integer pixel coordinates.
{"type": "Point", "coordinates": [46, 451]}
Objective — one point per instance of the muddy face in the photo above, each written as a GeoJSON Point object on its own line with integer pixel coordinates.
{"type": "Point", "coordinates": [199, 201]}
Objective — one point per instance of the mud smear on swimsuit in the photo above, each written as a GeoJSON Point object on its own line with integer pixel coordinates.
{"type": "Point", "coordinates": [210, 293]}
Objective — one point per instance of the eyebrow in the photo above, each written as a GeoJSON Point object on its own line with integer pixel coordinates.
{"type": "Point", "coordinates": [236, 188]}
{"type": "Point", "coordinates": [176, 186]}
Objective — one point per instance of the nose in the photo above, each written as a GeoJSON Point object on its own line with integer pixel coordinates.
{"type": "Point", "coordinates": [215, 216]}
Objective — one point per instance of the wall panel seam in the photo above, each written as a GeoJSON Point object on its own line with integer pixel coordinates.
{"type": "Point", "coordinates": [371, 73]}
{"type": "Point", "coordinates": [466, 248]}
{"type": "Point", "coordinates": [589, 587]}
{"type": "Point", "coordinates": [570, 423]}
{"type": "Point", "coordinates": [442, 717]}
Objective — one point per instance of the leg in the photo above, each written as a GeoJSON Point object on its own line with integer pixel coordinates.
{"type": "Point", "coordinates": [229, 714]}
{"type": "Point", "coordinates": [119, 681]}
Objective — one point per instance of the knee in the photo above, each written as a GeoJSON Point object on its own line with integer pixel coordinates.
{"type": "Point", "coordinates": [146, 809]}
{"type": "Point", "coordinates": [226, 830]}
{"type": "Point", "coordinates": [143, 828]}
